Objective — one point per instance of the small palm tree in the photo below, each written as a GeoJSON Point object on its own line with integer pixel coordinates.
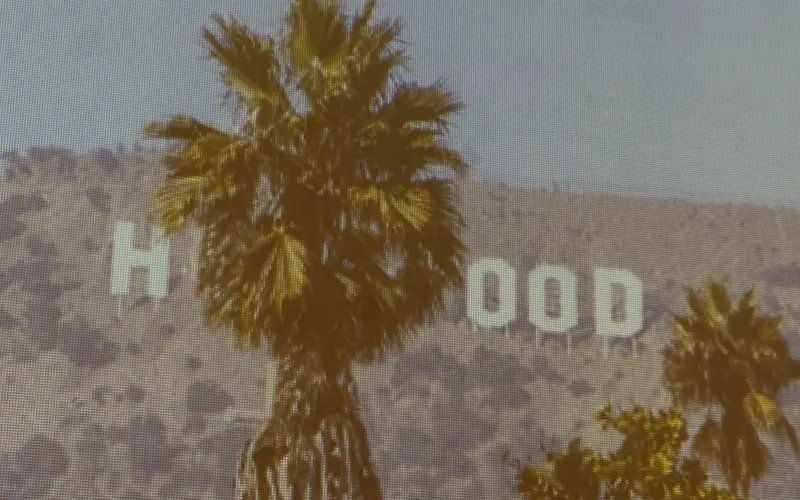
{"type": "Point", "coordinates": [327, 179]}
{"type": "Point", "coordinates": [735, 360]}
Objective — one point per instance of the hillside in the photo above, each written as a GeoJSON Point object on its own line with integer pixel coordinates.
{"type": "Point", "coordinates": [153, 404]}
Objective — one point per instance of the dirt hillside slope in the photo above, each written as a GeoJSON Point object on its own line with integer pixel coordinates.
{"type": "Point", "coordinates": [145, 405]}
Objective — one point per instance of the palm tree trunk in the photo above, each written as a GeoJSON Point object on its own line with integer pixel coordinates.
{"type": "Point", "coordinates": [285, 484]}
{"type": "Point", "coordinates": [708, 373]}
{"type": "Point", "coordinates": [323, 479]}
{"type": "Point", "coordinates": [310, 484]}
{"type": "Point", "coordinates": [283, 458]}
{"type": "Point", "coordinates": [348, 464]}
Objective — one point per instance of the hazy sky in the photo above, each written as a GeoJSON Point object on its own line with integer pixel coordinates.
{"type": "Point", "coordinates": [631, 96]}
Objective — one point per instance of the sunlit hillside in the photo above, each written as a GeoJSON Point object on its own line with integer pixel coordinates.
{"type": "Point", "coordinates": [129, 396]}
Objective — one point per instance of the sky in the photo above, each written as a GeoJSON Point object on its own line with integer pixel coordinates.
{"type": "Point", "coordinates": [691, 99]}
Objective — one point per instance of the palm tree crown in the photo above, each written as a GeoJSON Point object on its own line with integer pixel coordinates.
{"type": "Point", "coordinates": [736, 360]}
{"type": "Point", "coordinates": [328, 177]}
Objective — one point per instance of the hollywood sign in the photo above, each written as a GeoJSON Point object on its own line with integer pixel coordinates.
{"type": "Point", "coordinates": [125, 258]}
{"type": "Point", "coordinates": [605, 279]}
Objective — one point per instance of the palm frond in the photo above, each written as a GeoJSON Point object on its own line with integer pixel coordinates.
{"type": "Point", "coordinates": [283, 271]}
{"type": "Point", "coordinates": [315, 45]}
{"type": "Point", "coordinates": [361, 20]}
{"type": "Point", "coordinates": [251, 67]}
{"type": "Point", "coordinates": [708, 440]}
{"type": "Point", "coordinates": [415, 105]}
{"type": "Point", "coordinates": [191, 171]}
{"type": "Point", "coordinates": [176, 199]}
{"type": "Point", "coordinates": [719, 299]}
{"type": "Point", "coordinates": [180, 128]}
{"type": "Point", "coordinates": [762, 411]}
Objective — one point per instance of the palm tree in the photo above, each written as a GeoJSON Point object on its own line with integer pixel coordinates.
{"type": "Point", "coordinates": [325, 233]}
{"type": "Point", "coordinates": [735, 360]}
